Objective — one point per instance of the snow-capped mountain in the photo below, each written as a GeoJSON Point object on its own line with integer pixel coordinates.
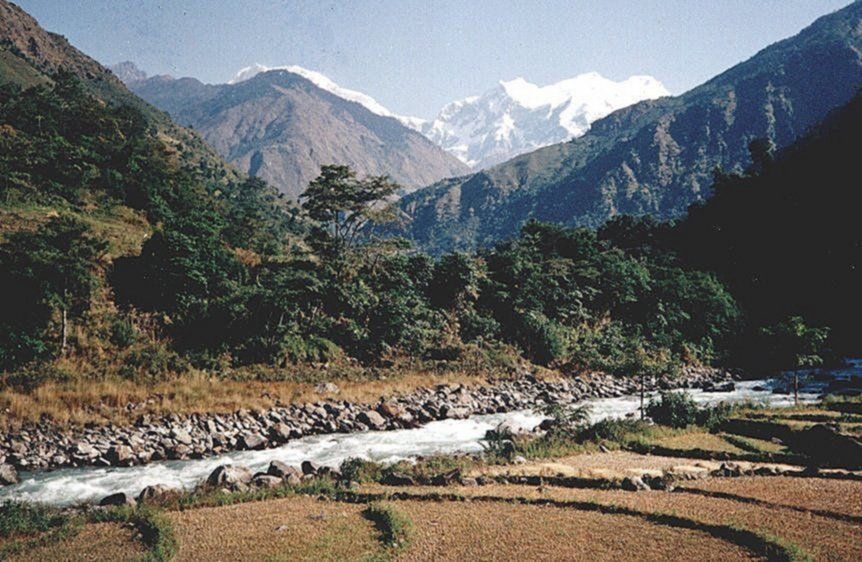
{"type": "Point", "coordinates": [322, 82]}
{"type": "Point", "coordinates": [513, 118]}
{"type": "Point", "coordinates": [517, 116]}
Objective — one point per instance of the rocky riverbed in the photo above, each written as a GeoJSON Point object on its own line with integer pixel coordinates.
{"type": "Point", "coordinates": [45, 446]}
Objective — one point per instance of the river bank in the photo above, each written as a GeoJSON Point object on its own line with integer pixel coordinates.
{"type": "Point", "coordinates": [45, 446]}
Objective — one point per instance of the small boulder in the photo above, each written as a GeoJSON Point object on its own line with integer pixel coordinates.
{"type": "Point", "coordinates": [634, 484]}
{"type": "Point", "coordinates": [310, 468]}
{"type": "Point", "coordinates": [120, 498]}
{"type": "Point", "coordinates": [8, 475]}
{"type": "Point", "coordinates": [266, 481]}
{"type": "Point", "coordinates": [119, 455]}
{"type": "Point", "coordinates": [281, 432]}
{"type": "Point", "coordinates": [181, 436]}
{"type": "Point", "coordinates": [282, 470]}
{"type": "Point", "coordinates": [229, 475]}
{"type": "Point", "coordinates": [156, 493]}
{"type": "Point", "coordinates": [372, 419]}
{"type": "Point", "coordinates": [252, 441]}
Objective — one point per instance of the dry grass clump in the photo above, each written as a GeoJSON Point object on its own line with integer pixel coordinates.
{"type": "Point", "coordinates": [501, 531]}
{"type": "Point", "coordinates": [96, 542]}
{"type": "Point", "coordinates": [297, 528]}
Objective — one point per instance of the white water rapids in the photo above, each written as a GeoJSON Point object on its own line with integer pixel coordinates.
{"type": "Point", "coordinates": [76, 485]}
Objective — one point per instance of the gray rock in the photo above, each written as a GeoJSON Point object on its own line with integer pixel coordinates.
{"type": "Point", "coordinates": [282, 470]}
{"type": "Point", "coordinates": [119, 455]}
{"type": "Point", "coordinates": [252, 441]}
{"type": "Point", "coordinates": [156, 493]}
{"type": "Point", "coordinates": [634, 484]}
{"type": "Point", "coordinates": [120, 498]}
{"type": "Point", "coordinates": [8, 475]}
{"type": "Point", "coordinates": [181, 436]}
{"type": "Point", "coordinates": [266, 481]}
{"type": "Point", "coordinates": [372, 419]}
{"type": "Point", "coordinates": [229, 475]}
{"type": "Point", "coordinates": [310, 468]}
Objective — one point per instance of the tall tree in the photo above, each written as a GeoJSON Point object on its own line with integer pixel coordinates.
{"type": "Point", "coordinates": [344, 205]}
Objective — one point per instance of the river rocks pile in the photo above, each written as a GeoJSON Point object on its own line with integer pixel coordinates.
{"type": "Point", "coordinates": [45, 446]}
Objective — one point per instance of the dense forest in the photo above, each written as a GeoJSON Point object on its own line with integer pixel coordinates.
{"type": "Point", "coordinates": [225, 273]}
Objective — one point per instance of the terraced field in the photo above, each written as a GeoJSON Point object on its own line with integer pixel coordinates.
{"type": "Point", "coordinates": [692, 503]}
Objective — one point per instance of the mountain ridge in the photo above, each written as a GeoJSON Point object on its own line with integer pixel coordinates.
{"type": "Point", "coordinates": [282, 127]}
{"type": "Point", "coordinates": [654, 157]}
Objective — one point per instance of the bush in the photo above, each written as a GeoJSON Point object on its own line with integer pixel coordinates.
{"type": "Point", "coordinates": [674, 409]}
{"type": "Point", "coordinates": [355, 469]}
{"type": "Point", "coordinates": [153, 361]}
{"type": "Point", "coordinates": [543, 340]}
{"type": "Point", "coordinates": [611, 429]}
{"type": "Point", "coordinates": [394, 526]}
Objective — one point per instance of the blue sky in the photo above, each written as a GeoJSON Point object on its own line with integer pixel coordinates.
{"type": "Point", "coordinates": [416, 56]}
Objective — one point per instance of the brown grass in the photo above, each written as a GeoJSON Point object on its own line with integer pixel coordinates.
{"type": "Point", "coordinates": [824, 537]}
{"type": "Point", "coordinates": [837, 496]}
{"type": "Point", "coordinates": [81, 401]}
{"type": "Point", "coordinates": [299, 528]}
{"type": "Point", "coordinates": [697, 440]}
{"type": "Point", "coordinates": [97, 542]}
{"type": "Point", "coordinates": [487, 531]}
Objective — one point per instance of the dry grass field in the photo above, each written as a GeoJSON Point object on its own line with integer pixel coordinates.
{"type": "Point", "coordinates": [94, 543]}
{"type": "Point", "coordinates": [300, 528]}
{"type": "Point", "coordinates": [492, 531]}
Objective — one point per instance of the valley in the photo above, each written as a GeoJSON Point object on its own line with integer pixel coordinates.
{"type": "Point", "coordinates": [267, 317]}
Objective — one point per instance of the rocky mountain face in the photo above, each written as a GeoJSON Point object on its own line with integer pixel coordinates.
{"type": "Point", "coordinates": [517, 117]}
{"type": "Point", "coordinates": [281, 126]}
{"type": "Point", "coordinates": [655, 157]}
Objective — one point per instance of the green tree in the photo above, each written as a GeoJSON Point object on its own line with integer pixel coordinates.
{"type": "Point", "coordinates": [344, 205]}
{"type": "Point", "coordinates": [49, 272]}
{"type": "Point", "coordinates": [793, 345]}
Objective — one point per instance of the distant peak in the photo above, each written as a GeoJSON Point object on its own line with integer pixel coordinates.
{"type": "Point", "coordinates": [325, 83]}
{"type": "Point", "coordinates": [128, 72]}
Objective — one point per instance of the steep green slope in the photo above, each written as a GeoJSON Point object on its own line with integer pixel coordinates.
{"type": "Point", "coordinates": [655, 157]}
{"type": "Point", "coordinates": [30, 55]}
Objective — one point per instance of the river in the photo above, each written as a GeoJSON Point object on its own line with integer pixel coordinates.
{"type": "Point", "coordinates": [76, 485]}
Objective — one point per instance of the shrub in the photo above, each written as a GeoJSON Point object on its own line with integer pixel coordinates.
{"type": "Point", "coordinates": [355, 469]}
{"type": "Point", "coordinates": [674, 409]}
{"type": "Point", "coordinates": [394, 526]}
{"type": "Point", "coordinates": [611, 429]}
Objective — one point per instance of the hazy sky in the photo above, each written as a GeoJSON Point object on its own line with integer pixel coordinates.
{"type": "Point", "coordinates": [416, 56]}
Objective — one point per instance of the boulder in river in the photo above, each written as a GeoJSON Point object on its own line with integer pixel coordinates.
{"type": "Point", "coordinates": [310, 468]}
{"type": "Point", "coordinates": [229, 475]}
{"type": "Point", "coordinates": [120, 498]}
{"type": "Point", "coordinates": [282, 470]}
{"type": "Point", "coordinates": [157, 493]}
{"type": "Point", "coordinates": [8, 475]}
